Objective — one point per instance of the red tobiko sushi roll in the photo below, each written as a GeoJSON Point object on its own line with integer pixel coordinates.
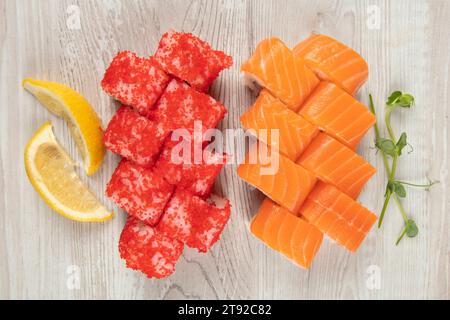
{"type": "Point", "coordinates": [134, 81]}
{"type": "Point", "coordinates": [194, 221]}
{"type": "Point", "coordinates": [139, 191]}
{"type": "Point", "coordinates": [146, 249]}
{"type": "Point", "coordinates": [180, 107]}
{"type": "Point", "coordinates": [191, 59]}
{"type": "Point", "coordinates": [135, 137]}
{"type": "Point", "coordinates": [189, 166]}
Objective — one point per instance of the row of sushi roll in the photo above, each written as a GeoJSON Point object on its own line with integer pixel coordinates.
{"type": "Point", "coordinates": [308, 96]}
{"type": "Point", "coordinates": [169, 203]}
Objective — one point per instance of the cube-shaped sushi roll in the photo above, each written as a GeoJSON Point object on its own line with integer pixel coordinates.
{"type": "Point", "coordinates": [134, 81]}
{"type": "Point", "coordinates": [180, 106]}
{"type": "Point", "coordinates": [135, 137]}
{"type": "Point", "coordinates": [278, 177]}
{"type": "Point", "coordinates": [333, 61]}
{"type": "Point", "coordinates": [146, 249]}
{"type": "Point", "coordinates": [278, 126]}
{"type": "Point", "coordinates": [194, 221]}
{"type": "Point", "coordinates": [338, 114]}
{"type": "Point", "coordinates": [337, 164]}
{"type": "Point", "coordinates": [139, 191]}
{"type": "Point", "coordinates": [185, 163]}
{"type": "Point", "coordinates": [191, 59]}
{"type": "Point", "coordinates": [338, 216]}
{"type": "Point", "coordinates": [286, 233]}
{"type": "Point", "coordinates": [274, 67]}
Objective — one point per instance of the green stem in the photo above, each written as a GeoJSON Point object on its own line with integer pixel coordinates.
{"type": "Point", "coordinates": [378, 135]}
{"type": "Point", "coordinates": [402, 235]}
{"type": "Point", "coordinates": [387, 119]}
{"type": "Point", "coordinates": [394, 168]}
{"type": "Point", "coordinates": [400, 207]}
{"type": "Point", "coordinates": [390, 173]}
{"type": "Point", "coordinates": [429, 185]}
{"type": "Point", "coordinates": [387, 197]}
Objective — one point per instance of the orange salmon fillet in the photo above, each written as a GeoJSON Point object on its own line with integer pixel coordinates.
{"type": "Point", "coordinates": [333, 61]}
{"type": "Point", "coordinates": [338, 216]}
{"type": "Point", "coordinates": [269, 113]}
{"type": "Point", "coordinates": [279, 178]}
{"type": "Point", "coordinates": [336, 164]}
{"type": "Point", "coordinates": [338, 114]}
{"type": "Point", "coordinates": [288, 234]}
{"type": "Point", "coordinates": [274, 67]}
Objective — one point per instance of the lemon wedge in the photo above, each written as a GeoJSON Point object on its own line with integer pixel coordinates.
{"type": "Point", "coordinates": [51, 172]}
{"type": "Point", "coordinates": [84, 123]}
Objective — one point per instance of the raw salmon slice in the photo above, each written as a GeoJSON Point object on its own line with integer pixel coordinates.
{"type": "Point", "coordinates": [290, 235]}
{"type": "Point", "coordinates": [338, 216]}
{"type": "Point", "coordinates": [268, 113]}
{"type": "Point", "coordinates": [338, 114]}
{"type": "Point", "coordinates": [274, 67]}
{"type": "Point", "coordinates": [336, 164]}
{"type": "Point", "coordinates": [334, 61]}
{"type": "Point", "coordinates": [282, 180]}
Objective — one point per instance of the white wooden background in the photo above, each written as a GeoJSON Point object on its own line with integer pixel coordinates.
{"type": "Point", "coordinates": [408, 50]}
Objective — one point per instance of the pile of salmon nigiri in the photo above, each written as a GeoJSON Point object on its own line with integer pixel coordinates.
{"type": "Point", "coordinates": [308, 97]}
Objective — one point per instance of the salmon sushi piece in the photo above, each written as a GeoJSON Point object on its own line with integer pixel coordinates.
{"type": "Point", "coordinates": [135, 137]}
{"type": "Point", "coordinates": [134, 81]}
{"type": "Point", "coordinates": [338, 114]}
{"type": "Point", "coordinates": [181, 106]}
{"type": "Point", "coordinates": [286, 233]}
{"type": "Point", "coordinates": [338, 216]}
{"type": "Point", "coordinates": [336, 164]}
{"type": "Point", "coordinates": [274, 67]}
{"type": "Point", "coordinates": [147, 250]}
{"type": "Point", "coordinates": [190, 59]}
{"type": "Point", "coordinates": [279, 178]}
{"type": "Point", "coordinates": [139, 191]}
{"type": "Point", "coordinates": [333, 61]}
{"type": "Point", "coordinates": [179, 165]}
{"type": "Point", "coordinates": [269, 113]}
{"type": "Point", "coordinates": [194, 221]}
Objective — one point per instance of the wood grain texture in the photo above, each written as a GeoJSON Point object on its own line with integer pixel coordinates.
{"type": "Point", "coordinates": [409, 51]}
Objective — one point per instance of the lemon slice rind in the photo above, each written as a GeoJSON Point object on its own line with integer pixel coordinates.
{"type": "Point", "coordinates": [82, 120]}
{"type": "Point", "coordinates": [45, 136]}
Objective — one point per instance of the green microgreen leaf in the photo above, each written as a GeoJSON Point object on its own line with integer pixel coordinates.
{"type": "Point", "coordinates": [411, 229]}
{"type": "Point", "coordinates": [399, 189]}
{"type": "Point", "coordinates": [399, 99]}
{"type": "Point", "coordinates": [393, 98]}
{"type": "Point", "coordinates": [386, 146]}
{"type": "Point", "coordinates": [405, 101]}
{"type": "Point", "coordinates": [401, 143]}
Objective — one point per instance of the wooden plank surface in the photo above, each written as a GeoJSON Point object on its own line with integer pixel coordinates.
{"type": "Point", "coordinates": [406, 44]}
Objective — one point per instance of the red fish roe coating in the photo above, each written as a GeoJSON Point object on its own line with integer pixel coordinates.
{"type": "Point", "coordinates": [135, 137]}
{"type": "Point", "coordinates": [148, 250]}
{"type": "Point", "coordinates": [190, 59]}
{"type": "Point", "coordinates": [134, 81]}
{"type": "Point", "coordinates": [181, 106]}
{"type": "Point", "coordinates": [210, 220]}
{"type": "Point", "coordinates": [139, 191]}
{"type": "Point", "coordinates": [194, 221]}
{"type": "Point", "coordinates": [179, 166]}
